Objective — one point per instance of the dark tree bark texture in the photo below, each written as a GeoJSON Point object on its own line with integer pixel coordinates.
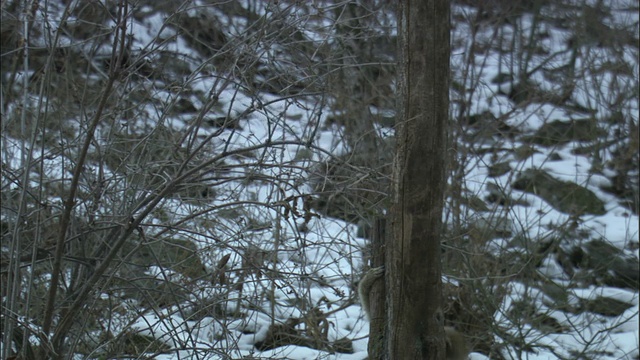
{"type": "Point", "coordinates": [376, 348]}
{"type": "Point", "coordinates": [414, 284]}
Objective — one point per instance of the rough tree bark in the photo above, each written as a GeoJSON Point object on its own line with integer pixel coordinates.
{"type": "Point", "coordinates": [413, 282]}
{"type": "Point", "coordinates": [376, 348]}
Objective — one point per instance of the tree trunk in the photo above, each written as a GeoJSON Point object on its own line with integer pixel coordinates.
{"type": "Point", "coordinates": [415, 313]}
{"type": "Point", "coordinates": [377, 306]}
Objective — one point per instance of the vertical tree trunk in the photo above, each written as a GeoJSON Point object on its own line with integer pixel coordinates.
{"type": "Point", "coordinates": [413, 257]}
{"type": "Point", "coordinates": [376, 348]}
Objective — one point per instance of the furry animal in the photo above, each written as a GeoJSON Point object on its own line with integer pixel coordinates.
{"type": "Point", "coordinates": [456, 345]}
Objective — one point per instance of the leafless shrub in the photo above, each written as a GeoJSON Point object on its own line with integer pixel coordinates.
{"type": "Point", "coordinates": [170, 195]}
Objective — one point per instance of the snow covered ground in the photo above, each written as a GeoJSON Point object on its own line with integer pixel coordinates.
{"type": "Point", "coordinates": [270, 258]}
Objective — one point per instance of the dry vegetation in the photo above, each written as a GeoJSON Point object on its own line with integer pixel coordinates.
{"type": "Point", "coordinates": [182, 161]}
